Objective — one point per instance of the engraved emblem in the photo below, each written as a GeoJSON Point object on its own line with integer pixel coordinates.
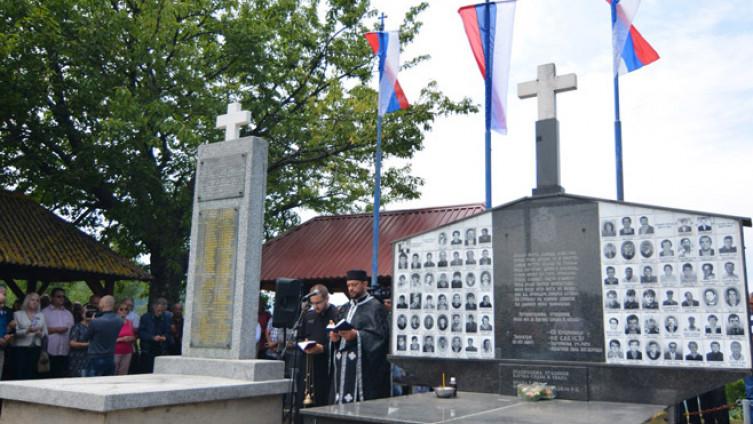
{"type": "Point", "coordinates": [543, 225]}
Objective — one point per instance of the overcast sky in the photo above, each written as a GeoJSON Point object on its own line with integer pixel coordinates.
{"type": "Point", "coordinates": [687, 119]}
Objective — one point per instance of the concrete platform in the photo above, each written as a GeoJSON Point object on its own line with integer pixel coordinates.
{"type": "Point", "coordinates": [479, 408]}
{"type": "Point", "coordinates": [234, 391]}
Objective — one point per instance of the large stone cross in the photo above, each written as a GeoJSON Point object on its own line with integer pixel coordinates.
{"type": "Point", "coordinates": [545, 87]}
{"type": "Point", "coordinates": [233, 121]}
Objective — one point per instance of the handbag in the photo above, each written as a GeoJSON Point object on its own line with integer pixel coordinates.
{"type": "Point", "coordinates": [43, 363]}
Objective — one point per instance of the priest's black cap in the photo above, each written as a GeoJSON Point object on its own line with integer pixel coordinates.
{"type": "Point", "coordinates": [357, 274]}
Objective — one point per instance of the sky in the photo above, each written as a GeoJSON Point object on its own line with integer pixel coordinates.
{"type": "Point", "coordinates": [687, 119]}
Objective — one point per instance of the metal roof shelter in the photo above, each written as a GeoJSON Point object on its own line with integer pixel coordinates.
{"type": "Point", "coordinates": [38, 246]}
{"type": "Point", "coordinates": [324, 248]}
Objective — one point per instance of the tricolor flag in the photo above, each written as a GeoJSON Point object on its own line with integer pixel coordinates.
{"type": "Point", "coordinates": [500, 19]}
{"type": "Point", "coordinates": [386, 45]}
{"type": "Point", "coordinates": [630, 50]}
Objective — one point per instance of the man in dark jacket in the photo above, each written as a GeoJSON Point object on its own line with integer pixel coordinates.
{"type": "Point", "coordinates": [154, 334]}
{"type": "Point", "coordinates": [102, 335]}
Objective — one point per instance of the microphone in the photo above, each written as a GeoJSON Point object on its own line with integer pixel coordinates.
{"type": "Point", "coordinates": [310, 295]}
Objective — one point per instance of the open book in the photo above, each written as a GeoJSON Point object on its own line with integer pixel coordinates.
{"type": "Point", "coordinates": [306, 344]}
{"type": "Point", "coordinates": [341, 325]}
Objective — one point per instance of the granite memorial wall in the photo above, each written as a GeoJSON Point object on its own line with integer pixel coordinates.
{"type": "Point", "coordinates": [587, 294]}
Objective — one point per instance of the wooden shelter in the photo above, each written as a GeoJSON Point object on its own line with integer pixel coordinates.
{"type": "Point", "coordinates": [40, 247]}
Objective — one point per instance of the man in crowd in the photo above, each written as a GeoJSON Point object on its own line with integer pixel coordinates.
{"type": "Point", "coordinates": [102, 335]}
{"type": "Point", "coordinates": [315, 328]}
{"type": "Point", "coordinates": [176, 329]}
{"type": "Point", "coordinates": [59, 323]}
{"type": "Point", "coordinates": [154, 334]}
{"type": "Point", "coordinates": [94, 300]}
{"type": "Point", "coordinates": [6, 316]}
{"type": "Point", "coordinates": [361, 371]}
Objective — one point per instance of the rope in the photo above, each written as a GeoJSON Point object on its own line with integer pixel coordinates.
{"type": "Point", "coordinates": [710, 410]}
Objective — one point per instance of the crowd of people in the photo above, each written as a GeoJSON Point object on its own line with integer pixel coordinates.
{"type": "Point", "coordinates": [52, 337]}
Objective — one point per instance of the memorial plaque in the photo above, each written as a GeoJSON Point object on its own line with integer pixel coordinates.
{"type": "Point", "coordinates": [443, 292]}
{"type": "Point", "coordinates": [674, 288]}
{"type": "Point", "coordinates": [221, 177]}
{"type": "Point", "coordinates": [570, 382]}
{"type": "Point", "coordinates": [212, 314]}
{"type": "Point", "coordinates": [546, 281]}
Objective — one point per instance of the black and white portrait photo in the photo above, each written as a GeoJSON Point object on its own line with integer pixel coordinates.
{"type": "Point", "coordinates": [627, 227]}
{"type": "Point", "coordinates": [470, 237]}
{"type": "Point", "coordinates": [402, 321]}
{"type": "Point", "coordinates": [415, 300]}
{"type": "Point", "coordinates": [727, 246]}
{"type": "Point", "coordinates": [608, 229]}
{"type": "Point", "coordinates": [442, 322]}
{"type": "Point", "coordinates": [428, 322]}
{"type": "Point", "coordinates": [401, 343]}
{"type": "Point", "coordinates": [428, 344]}
{"type": "Point", "coordinates": [644, 227]}
{"type": "Point", "coordinates": [627, 250]}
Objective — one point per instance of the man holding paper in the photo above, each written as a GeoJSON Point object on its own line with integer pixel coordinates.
{"type": "Point", "coordinates": [359, 364]}
{"type": "Point", "coordinates": [314, 330]}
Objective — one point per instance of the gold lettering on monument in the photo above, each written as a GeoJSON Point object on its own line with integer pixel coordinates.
{"type": "Point", "coordinates": [215, 278]}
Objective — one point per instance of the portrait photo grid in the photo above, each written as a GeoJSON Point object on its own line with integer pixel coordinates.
{"type": "Point", "coordinates": [673, 289]}
{"type": "Point", "coordinates": [443, 292]}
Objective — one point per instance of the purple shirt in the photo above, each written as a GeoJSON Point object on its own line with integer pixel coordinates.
{"type": "Point", "coordinates": [57, 344]}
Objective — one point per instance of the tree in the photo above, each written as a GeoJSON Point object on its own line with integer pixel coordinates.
{"type": "Point", "coordinates": [105, 103]}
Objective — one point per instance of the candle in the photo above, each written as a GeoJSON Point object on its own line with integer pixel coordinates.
{"type": "Point", "coordinates": [443, 385]}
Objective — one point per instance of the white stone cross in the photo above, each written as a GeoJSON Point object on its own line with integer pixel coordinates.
{"type": "Point", "coordinates": [233, 121]}
{"type": "Point", "coordinates": [545, 87]}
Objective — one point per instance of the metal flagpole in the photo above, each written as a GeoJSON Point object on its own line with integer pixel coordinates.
{"type": "Point", "coordinates": [488, 106]}
{"type": "Point", "coordinates": [617, 123]}
{"type": "Point", "coordinates": [377, 180]}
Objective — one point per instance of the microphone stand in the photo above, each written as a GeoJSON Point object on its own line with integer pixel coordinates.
{"type": "Point", "coordinates": [295, 369]}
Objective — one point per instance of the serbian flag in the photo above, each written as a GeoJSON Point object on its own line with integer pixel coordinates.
{"type": "Point", "coordinates": [386, 45]}
{"type": "Point", "coordinates": [630, 51]}
{"type": "Point", "coordinates": [501, 16]}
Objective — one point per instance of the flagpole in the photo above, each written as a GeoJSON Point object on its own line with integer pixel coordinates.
{"type": "Point", "coordinates": [617, 123]}
{"type": "Point", "coordinates": [488, 107]}
{"type": "Point", "coordinates": [378, 186]}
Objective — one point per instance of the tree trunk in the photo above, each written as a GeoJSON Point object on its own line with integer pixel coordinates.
{"type": "Point", "coordinates": [169, 275]}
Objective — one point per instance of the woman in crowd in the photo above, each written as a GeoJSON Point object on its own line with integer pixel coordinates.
{"type": "Point", "coordinates": [82, 316]}
{"type": "Point", "coordinates": [31, 329]}
{"type": "Point", "coordinates": [124, 345]}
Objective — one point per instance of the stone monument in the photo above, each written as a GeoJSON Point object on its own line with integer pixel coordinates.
{"type": "Point", "coordinates": [216, 379]}
{"type": "Point", "coordinates": [580, 298]}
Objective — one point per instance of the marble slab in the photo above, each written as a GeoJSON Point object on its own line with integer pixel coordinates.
{"type": "Point", "coordinates": [103, 394]}
{"type": "Point", "coordinates": [480, 408]}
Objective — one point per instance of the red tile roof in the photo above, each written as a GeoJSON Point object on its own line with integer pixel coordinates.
{"type": "Point", "coordinates": [325, 247]}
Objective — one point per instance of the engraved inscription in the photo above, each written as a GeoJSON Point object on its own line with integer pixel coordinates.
{"type": "Point", "coordinates": [545, 294]}
{"type": "Point", "coordinates": [222, 177]}
{"type": "Point", "coordinates": [215, 278]}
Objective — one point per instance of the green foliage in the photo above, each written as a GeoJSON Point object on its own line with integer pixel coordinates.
{"type": "Point", "coordinates": [105, 103]}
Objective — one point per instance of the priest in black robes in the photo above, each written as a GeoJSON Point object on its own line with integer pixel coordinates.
{"type": "Point", "coordinates": [359, 361]}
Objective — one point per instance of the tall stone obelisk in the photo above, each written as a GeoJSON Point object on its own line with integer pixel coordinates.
{"type": "Point", "coordinates": [222, 296]}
